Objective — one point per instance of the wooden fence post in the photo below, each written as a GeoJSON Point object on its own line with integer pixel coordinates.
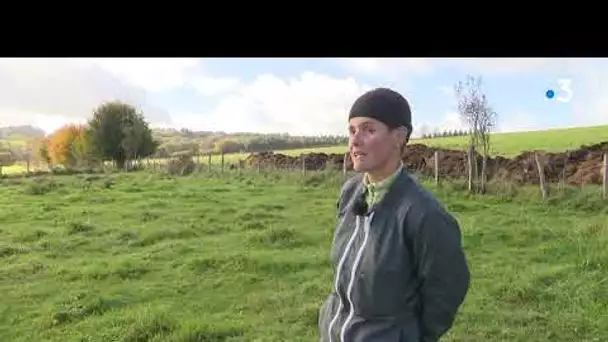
{"type": "Point", "coordinates": [562, 178]}
{"type": "Point", "coordinates": [605, 178]}
{"type": "Point", "coordinates": [484, 177]}
{"type": "Point", "coordinates": [222, 161]}
{"type": "Point", "coordinates": [303, 156]}
{"type": "Point", "coordinates": [436, 167]}
{"type": "Point", "coordinates": [209, 162]}
{"type": "Point", "coordinates": [470, 162]}
{"type": "Point", "coordinates": [541, 176]}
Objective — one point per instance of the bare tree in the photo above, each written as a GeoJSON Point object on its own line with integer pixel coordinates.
{"type": "Point", "coordinates": [7, 158]}
{"type": "Point", "coordinates": [26, 154]}
{"type": "Point", "coordinates": [476, 112]}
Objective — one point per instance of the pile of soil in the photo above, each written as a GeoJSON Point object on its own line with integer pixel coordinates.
{"type": "Point", "coordinates": [577, 167]}
{"type": "Point", "coordinates": [310, 161]}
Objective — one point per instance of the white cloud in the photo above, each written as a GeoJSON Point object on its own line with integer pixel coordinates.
{"type": "Point", "coordinates": [449, 95]}
{"type": "Point", "coordinates": [451, 121]}
{"type": "Point", "coordinates": [52, 92]}
{"type": "Point", "coordinates": [152, 74]}
{"type": "Point", "coordinates": [503, 66]}
{"type": "Point", "coordinates": [483, 66]}
{"type": "Point", "coordinates": [211, 86]}
{"type": "Point", "coordinates": [590, 97]}
{"type": "Point", "coordinates": [390, 68]}
{"type": "Point", "coordinates": [34, 88]}
{"type": "Point", "coordinates": [518, 121]}
{"type": "Point", "coordinates": [307, 104]}
{"type": "Point", "coordinates": [48, 123]}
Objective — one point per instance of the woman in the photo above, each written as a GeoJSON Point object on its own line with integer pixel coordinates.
{"type": "Point", "coordinates": [400, 270]}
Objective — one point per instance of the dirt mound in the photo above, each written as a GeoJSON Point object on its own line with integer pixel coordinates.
{"type": "Point", "coordinates": [310, 161]}
{"type": "Point", "coordinates": [581, 166]}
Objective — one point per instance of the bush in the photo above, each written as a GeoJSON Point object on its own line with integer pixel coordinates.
{"type": "Point", "coordinates": [40, 186]}
{"type": "Point", "coordinates": [181, 166]}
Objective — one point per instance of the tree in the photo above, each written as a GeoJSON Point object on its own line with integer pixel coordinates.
{"type": "Point", "coordinates": [67, 146]}
{"type": "Point", "coordinates": [476, 112]}
{"type": "Point", "coordinates": [6, 157]}
{"type": "Point", "coordinates": [41, 152]}
{"type": "Point", "coordinates": [227, 146]}
{"type": "Point", "coordinates": [29, 154]}
{"type": "Point", "coordinates": [118, 132]}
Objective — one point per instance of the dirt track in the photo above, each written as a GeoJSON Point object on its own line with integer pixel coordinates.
{"type": "Point", "coordinates": [581, 166]}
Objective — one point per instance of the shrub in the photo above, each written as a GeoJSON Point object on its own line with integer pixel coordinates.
{"type": "Point", "coordinates": [181, 166]}
{"type": "Point", "coordinates": [40, 186]}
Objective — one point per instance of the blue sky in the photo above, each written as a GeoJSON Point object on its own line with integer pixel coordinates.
{"type": "Point", "coordinates": [298, 96]}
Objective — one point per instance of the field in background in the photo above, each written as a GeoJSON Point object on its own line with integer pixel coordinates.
{"type": "Point", "coordinates": [244, 257]}
{"type": "Point", "coordinates": [506, 144]}
{"type": "Point", "coordinates": [509, 144]}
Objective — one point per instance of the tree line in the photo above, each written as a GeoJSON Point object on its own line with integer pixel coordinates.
{"type": "Point", "coordinates": [447, 133]}
{"type": "Point", "coordinates": [174, 141]}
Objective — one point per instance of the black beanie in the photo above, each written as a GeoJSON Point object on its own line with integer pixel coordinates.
{"type": "Point", "coordinates": [384, 105]}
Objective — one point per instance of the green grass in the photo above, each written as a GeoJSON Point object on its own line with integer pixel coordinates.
{"type": "Point", "coordinates": [145, 257]}
{"type": "Point", "coordinates": [14, 142]}
{"type": "Point", "coordinates": [511, 144]}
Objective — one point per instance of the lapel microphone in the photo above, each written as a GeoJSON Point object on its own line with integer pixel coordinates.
{"type": "Point", "coordinates": [360, 206]}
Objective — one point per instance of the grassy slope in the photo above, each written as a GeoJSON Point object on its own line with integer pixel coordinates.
{"type": "Point", "coordinates": [511, 144]}
{"type": "Point", "coordinates": [246, 259]}
{"type": "Point", "coordinates": [13, 142]}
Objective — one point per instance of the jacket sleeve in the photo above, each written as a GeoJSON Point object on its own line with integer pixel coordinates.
{"type": "Point", "coordinates": [442, 270]}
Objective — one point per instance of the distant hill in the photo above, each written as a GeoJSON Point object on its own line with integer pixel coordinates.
{"type": "Point", "coordinates": [21, 133]}
{"type": "Point", "coordinates": [182, 140]}
{"type": "Point", "coordinates": [176, 141]}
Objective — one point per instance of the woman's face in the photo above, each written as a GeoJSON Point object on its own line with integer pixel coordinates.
{"type": "Point", "coordinates": [371, 144]}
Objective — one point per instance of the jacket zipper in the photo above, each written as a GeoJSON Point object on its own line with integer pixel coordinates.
{"type": "Point", "coordinates": [366, 227]}
{"type": "Point", "coordinates": [338, 272]}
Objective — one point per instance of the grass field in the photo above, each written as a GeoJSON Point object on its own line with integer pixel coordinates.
{"type": "Point", "coordinates": [144, 257]}
{"type": "Point", "coordinates": [13, 142]}
{"type": "Point", "coordinates": [510, 144]}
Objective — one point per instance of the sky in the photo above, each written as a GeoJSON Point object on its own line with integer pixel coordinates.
{"type": "Point", "coordinates": [299, 96]}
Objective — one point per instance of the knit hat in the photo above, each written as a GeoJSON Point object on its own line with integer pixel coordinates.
{"type": "Point", "coordinates": [384, 105]}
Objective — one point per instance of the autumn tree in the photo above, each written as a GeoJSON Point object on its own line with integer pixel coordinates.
{"type": "Point", "coordinates": [118, 132]}
{"type": "Point", "coordinates": [476, 112]}
{"type": "Point", "coordinates": [67, 146]}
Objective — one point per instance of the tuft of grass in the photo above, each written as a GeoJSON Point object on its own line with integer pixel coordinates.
{"type": "Point", "coordinates": [245, 257]}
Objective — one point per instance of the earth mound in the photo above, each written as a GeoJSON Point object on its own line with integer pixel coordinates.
{"type": "Point", "coordinates": [577, 167]}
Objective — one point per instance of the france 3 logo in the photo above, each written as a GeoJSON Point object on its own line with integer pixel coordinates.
{"type": "Point", "coordinates": [563, 92]}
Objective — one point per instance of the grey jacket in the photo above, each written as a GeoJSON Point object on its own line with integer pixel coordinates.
{"type": "Point", "coordinates": [400, 270]}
